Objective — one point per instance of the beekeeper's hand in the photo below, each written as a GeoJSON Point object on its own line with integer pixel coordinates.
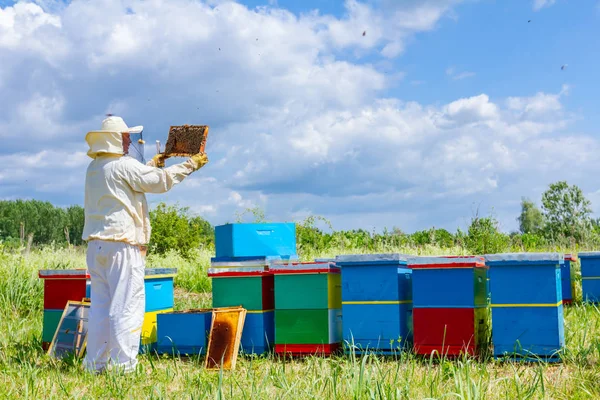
{"type": "Point", "coordinates": [199, 161]}
{"type": "Point", "coordinates": [159, 160]}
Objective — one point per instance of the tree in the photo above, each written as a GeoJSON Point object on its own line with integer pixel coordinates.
{"type": "Point", "coordinates": [174, 228]}
{"type": "Point", "coordinates": [531, 219]}
{"type": "Point", "coordinates": [567, 211]}
{"type": "Point", "coordinates": [484, 237]}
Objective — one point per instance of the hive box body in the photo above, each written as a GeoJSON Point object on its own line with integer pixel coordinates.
{"type": "Point", "coordinates": [258, 336]}
{"type": "Point", "coordinates": [60, 286]}
{"type": "Point", "coordinates": [447, 287]}
{"type": "Point", "coordinates": [247, 240]}
{"type": "Point", "coordinates": [246, 282]}
{"type": "Point", "coordinates": [377, 277]}
{"type": "Point", "coordinates": [590, 288]}
{"type": "Point", "coordinates": [566, 282]}
{"type": "Point", "coordinates": [307, 291]}
{"type": "Point", "coordinates": [251, 292]}
{"type": "Point", "coordinates": [183, 333]}
{"type": "Point", "coordinates": [450, 300]}
{"type": "Point", "coordinates": [377, 328]}
{"type": "Point", "coordinates": [149, 334]}
{"type": "Point", "coordinates": [376, 302]}
{"type": "Point", "coordinates": [528, 331]}
{"type": "Point", "coordinates": [527, 313]}
{"type": "Point", "coordinates": [308, 327]}
{"type": "Point", "coordinates": [159, 293]}
{"type": "Point", "coordinates": [158, 284]}
{"type": "Point", "coordinates": [590, 276]}
{"type": "Point", "coordinates": [308, 315]}
{"type": "Point", "coordinates": [450, 331]}
{"type": "Point", "coordinates": [51, 320]}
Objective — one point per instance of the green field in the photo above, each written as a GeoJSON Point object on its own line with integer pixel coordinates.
{"type": "Point", "coordinates": [26, 372]}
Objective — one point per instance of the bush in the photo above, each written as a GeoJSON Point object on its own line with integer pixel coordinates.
{"type": "Point", "coordinates": [173, 228]}
{"type": "Point", "coordinates": [484, 237]}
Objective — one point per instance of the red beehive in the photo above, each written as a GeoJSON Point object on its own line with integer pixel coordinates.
{"type": "Point", "coordinates": [60, 286]}
{"type": "Point", "coordinates": [448, 331]}
{"type": "Point", "coordinates": [450, 310]}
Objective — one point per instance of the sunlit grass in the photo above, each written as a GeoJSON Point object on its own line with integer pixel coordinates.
{"type": "Point", "coordinates": [26, 372]}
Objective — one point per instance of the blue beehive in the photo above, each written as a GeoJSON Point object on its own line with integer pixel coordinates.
{"type": "Point", "coordinates": [376, 302]}
{"type": "Point", "coordinates": [183, 333]}
{"type": "Point", "coordinates": [258, 335]}
{"type": "Point", "coordinates": [590, 276]}
{"type": "Point", "coordinates": [249, 240]}
{"type": "Point", "coordinates": [527, 309]}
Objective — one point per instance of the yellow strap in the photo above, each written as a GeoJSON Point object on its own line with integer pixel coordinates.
{"type": "Point", "coordinates": [527, 305]}
{"type": "Point", "coordinates": [258, 311]}
{"type": "Point", "coordinates": [378, 302]}
{"type": "Point", "coordinates": [159, 276]}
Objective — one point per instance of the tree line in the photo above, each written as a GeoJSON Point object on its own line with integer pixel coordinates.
{"type": "Point", "coordinates": [563, 221]}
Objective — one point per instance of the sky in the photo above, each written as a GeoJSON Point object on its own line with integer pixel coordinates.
{"type": "Point", "coordinates": [371, 113]}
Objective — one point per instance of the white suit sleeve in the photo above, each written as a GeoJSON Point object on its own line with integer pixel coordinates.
{"type": "Point", "coordinates": [148, 179]}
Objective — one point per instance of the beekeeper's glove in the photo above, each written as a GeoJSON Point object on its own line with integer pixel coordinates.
{"type": "Point", "coordinates": [199, 161]}
{"type": "Point", "coordinates": [159, 160]}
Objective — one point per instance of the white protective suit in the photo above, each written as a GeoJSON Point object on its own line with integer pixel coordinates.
{"type": "Point", "coordinates": [116, 225]}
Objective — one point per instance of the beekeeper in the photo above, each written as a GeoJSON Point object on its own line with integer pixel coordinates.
{"type": "Point", "coordinates": [117, 225]}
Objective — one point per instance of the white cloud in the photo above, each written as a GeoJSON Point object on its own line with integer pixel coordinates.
{"type": "Point", "coordinates": [539, 4]}
{"type": "Point", "coordinates": [457, 76]}
{"type": "Point", "coordinates": [297, 124]}
{"type": "Point", "coordinates": [472, 109]}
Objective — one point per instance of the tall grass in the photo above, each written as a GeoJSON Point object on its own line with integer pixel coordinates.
{"type": "Point", "coordinates": [26, 372]}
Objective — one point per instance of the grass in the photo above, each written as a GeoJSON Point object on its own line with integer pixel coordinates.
{"type": "Point", "coordinates": [26, 372]}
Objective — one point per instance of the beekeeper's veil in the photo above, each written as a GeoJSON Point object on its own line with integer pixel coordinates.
{"type": "Point", "coordinates": [109, 139]}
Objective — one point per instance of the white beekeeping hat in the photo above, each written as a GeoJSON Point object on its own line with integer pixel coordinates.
{"type": "Point", "coordinates": [109, 138]}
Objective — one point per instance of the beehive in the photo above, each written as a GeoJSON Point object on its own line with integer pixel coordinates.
{"type": "Point", "coordinates": [450, 305]}
{"type": "Point", "coordinates": [60, 287]}
{"type": "Point", "coordinates": [526, 301]}
{"type": "Point", "coordinates": [376, 302]}
{"type": "Point", "coordinates": [183, 332]}
{"type": "Point", "coordinates": [308, 311]}
{"type": "Point", "coordinates": [566, 281]}
{"type": "Point", "coordinates": [247, 282]}
{"type": "Point", "coordinates": [255, 240]}
{"type": "Point", "coordinates": [158, 285]}
{"type": "Point", "coordinates": [590, 276]}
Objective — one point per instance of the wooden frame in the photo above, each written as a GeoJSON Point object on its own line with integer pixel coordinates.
{"type": "Point", "coordinates": [178, 142]}
{"type": "Point", "coordinates": [225, 336]}
{"type": "Point", "coordinates": [80, 339]}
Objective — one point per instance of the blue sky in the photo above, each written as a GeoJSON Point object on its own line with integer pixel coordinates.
{"type": "Point", "coordinates": [442, 108]}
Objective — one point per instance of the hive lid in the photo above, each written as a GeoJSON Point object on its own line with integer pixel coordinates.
{"type": "Point", "coordinates": [524, 258]}
{"type": "Point", "coordinates": [64, 273]}
{"type": "Point", "coordinates": [589, 254]}
{"type": "Point", "coordinates": [245, 266]}
{"type": "Point", "coordinates": [150, 272]}
{"type": "Point", "coordinates": [372, 259]}
{"type": "Point", "coordinates": [305, 268]}
{"type": "Point", "coordinates": [324, 260]}
{"type": "Point", "coordinates": [251, 260]}
{"type": "Point", "coordinates": [446, 262]}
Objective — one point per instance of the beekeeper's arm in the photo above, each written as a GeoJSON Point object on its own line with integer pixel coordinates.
{"type": "Point", "coordinates": [149, 179]}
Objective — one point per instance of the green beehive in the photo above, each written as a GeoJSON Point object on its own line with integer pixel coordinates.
{"type": "Point", "coordinates": [308, 303]}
